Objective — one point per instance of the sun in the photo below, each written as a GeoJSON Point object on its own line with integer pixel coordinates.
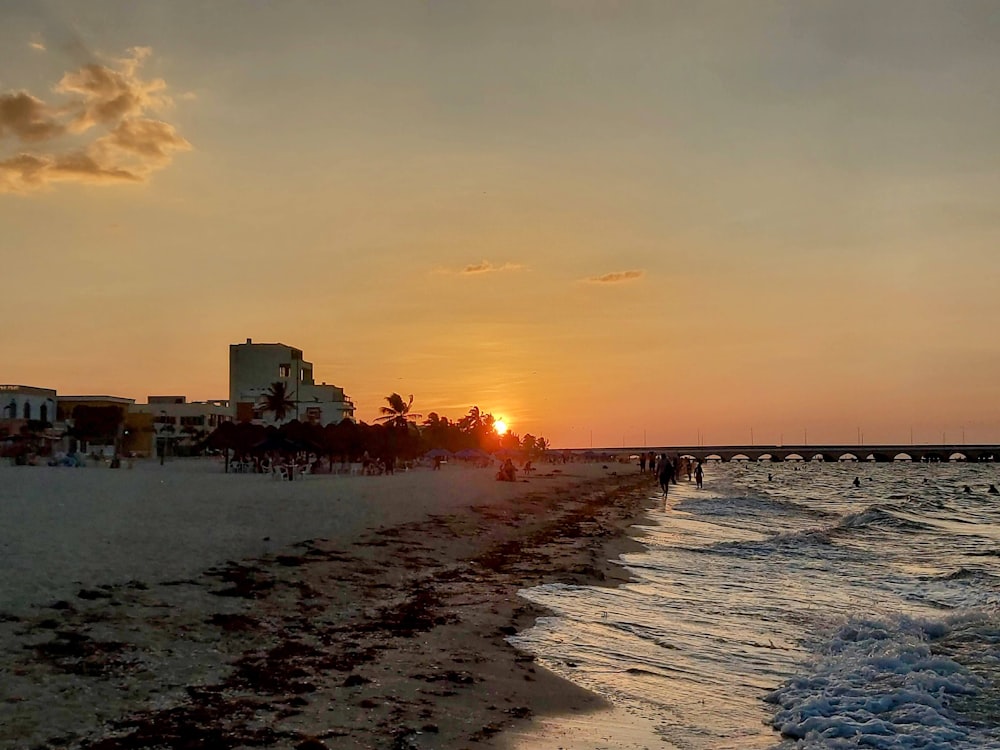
{"type": "Point", "coordinates": [500, 426]}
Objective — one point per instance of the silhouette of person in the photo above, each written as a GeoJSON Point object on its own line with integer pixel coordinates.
{"type": "Point", "coordinates": [699, 474]}
{"type": "Point", "coordinates": [666, 473]}
{"type": "Point", "coordinates": [857, 482]}
{"type": "Point", "coordinates": [507, 472]}
{"type": "Point", "coordinates": [993, 490]}
{"type": "Point", "coordinates": [967, 489]}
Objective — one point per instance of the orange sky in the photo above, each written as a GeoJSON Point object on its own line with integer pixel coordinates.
{"type": "Point", "coordinates": [607, 222]}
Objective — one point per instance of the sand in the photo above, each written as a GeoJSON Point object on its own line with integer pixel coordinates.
{"type": "Point", "coordinates": [178, 606]}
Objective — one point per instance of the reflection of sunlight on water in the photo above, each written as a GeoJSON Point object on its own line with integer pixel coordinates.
{"type": "Point", "coordinates": [738, 584]}
{"type": "Point", "coordinates": [665, 658]}
{"type": "Point", "coordinates": [666, 646]}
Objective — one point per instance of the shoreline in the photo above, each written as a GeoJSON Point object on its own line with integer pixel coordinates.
{"type": "Point", "coordinates": [395, 639]}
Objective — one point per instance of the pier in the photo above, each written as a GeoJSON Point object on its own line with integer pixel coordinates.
{"type": "Point", "coordinates": [830, 453]}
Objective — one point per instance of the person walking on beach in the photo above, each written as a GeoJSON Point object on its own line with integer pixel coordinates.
{"type": "Point", "coordinates": [699, 474]}
{"type": "Point", "coordinates": [642, 463]}
{"type": "Point", "coordinates": [665, 472]}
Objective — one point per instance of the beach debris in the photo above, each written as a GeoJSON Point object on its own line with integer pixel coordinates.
{"type": "Point", "coordinates": [91, 594]}
{"type": "Point", "coordinates": [78, 653]}
{"type": "Point", "coordinates": [234, 623]}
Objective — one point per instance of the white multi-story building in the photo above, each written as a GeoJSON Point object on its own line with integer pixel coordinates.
{"type": "Point", "coordinates": [254, 368]}
{"type": "Point", "coordinates": [26, 402]}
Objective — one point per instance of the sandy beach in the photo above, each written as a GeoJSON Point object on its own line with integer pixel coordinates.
{"type": "Point", "coordinates": [178, 606]}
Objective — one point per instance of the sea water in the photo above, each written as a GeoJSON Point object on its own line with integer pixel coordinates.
{"type": "Point", "coordinates": [784, 607]}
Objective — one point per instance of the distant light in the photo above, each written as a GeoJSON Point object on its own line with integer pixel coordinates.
{"type": "Point", "coordinates": [500, 426]}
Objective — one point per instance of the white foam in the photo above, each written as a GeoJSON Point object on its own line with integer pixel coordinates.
{"type": "Point", "coordinates": [881, 684]}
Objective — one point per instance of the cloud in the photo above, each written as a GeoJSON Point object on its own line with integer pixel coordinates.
{"type": "Point", "coordinates": [487, 267]}
{"type": "Point", "coordinates": [615, 278]}
{"type": "Point", "coordinates": [26, 172]}
{"type": "Point", "coordinates": [36, 45]}
{"type": "Point", "coordinates": [101, 135]}
{"type": "Point", "coordinates": [27, 118]}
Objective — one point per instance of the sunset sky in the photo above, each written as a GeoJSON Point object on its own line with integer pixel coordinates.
{"type": "Point", "coordinates": [605, 222]}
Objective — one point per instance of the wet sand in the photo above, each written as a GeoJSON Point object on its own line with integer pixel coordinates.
{"type": "Point", "coordinates": [385, 628]}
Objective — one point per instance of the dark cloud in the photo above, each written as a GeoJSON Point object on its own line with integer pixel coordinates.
{"type": "Point", "coordinates": [616, 277]}
{"type": "Point", "coordinates": [102, 135]}
{"type": "Point", "coordinates": [27, 118]}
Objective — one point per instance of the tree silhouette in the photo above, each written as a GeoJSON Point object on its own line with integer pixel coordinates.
{"type": "Point", "coordinates": [278, 400]}
{"type": "Point", "coordinates": [397, 413]}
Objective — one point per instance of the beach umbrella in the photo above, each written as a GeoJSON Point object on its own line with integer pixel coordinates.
{"type": "Point", "coordinates": [277, 442]}
{"type": "Point", "coordinates": [438, 453]}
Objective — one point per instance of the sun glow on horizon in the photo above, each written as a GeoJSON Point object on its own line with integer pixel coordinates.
{"type": "Point", "coordinates": [500, 426]}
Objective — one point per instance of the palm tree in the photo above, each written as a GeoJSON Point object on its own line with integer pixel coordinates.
{"type": "Point", "coordinates": [471, 422]}
{"type": "Point", "coordinates": [397, 413]}
{"type": "Point", "coordinates": [277, 399]}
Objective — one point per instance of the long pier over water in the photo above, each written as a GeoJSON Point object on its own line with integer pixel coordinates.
{"type": "Point", "coordinates": [833, 453]}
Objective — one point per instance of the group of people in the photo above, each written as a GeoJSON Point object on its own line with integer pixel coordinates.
{"type": "Point", "coordinates": [667, 470]}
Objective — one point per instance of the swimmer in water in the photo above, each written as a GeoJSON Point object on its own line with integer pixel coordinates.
{"type": "Point", "coordinates": [993, 490]}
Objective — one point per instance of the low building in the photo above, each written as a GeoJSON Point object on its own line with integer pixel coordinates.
{"type": "Point", "coordinates": [96, 424]}
{"type": "Point", "coordinates": [24, 403]}
{"type": "Point", "coordinates": [174, 420]}
{"type": "Point", "coordinates": [255, 368]}
{"type": "Point", "coordinates": [27, 414]}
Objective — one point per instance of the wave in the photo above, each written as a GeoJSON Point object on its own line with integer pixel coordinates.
{"type": "Point", "coordinates": [742, 504]}
{"type": "Point", "coordinates": [880, 517]}
{"type": "Point", "coordinates": [898, 683]}
{"type": "Point", "coordinates": [964, 574]}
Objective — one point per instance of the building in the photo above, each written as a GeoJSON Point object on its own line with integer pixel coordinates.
{"type": "Point", "coordinates": [24, 403]}
{"type": "Point", "coordinates": [254, 368]}
{"type": "Point", "coordinates": [28, 410]}
{"type": "Point", "coordinates": [97, 424]}
{"type": "Point", "coordinates": [172, 419]}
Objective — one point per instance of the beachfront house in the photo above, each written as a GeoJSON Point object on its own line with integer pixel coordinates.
{"type": "Point", "coordinates": [172, 424]}
{"type": "Point", "coordinates": [254, 368]}
{"type": "Point", "coordinates": [20, 404]}
{"type": "Point", "coordinates": [27, 414]}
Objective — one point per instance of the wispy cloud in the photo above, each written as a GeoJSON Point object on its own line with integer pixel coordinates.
{"type": "Point", "coordinates": [484, 266]}
{"type": "Point", "coordinates": [37, 45]}
{"type": "Point", "coordinates": [487, 267]}
{"type": "Point", "coordinates": [100, 135]}
{"type": "Point", "coordinates": [615, 278]}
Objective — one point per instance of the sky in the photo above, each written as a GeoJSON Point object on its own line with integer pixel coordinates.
{"type": "Point", "coordinates": [610, 223]}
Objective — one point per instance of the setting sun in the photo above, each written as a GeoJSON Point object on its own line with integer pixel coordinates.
{"type": "Point", "coordinates": [500, 426]}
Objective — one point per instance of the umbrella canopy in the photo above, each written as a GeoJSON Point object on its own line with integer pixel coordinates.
{"type": "Point", "coordinates": [278, 443]}
{"type": "Point", "coordinates": [438, 453]}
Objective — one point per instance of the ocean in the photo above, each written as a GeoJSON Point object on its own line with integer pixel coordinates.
{"type": "Point", "coordinates": [784, 607]}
